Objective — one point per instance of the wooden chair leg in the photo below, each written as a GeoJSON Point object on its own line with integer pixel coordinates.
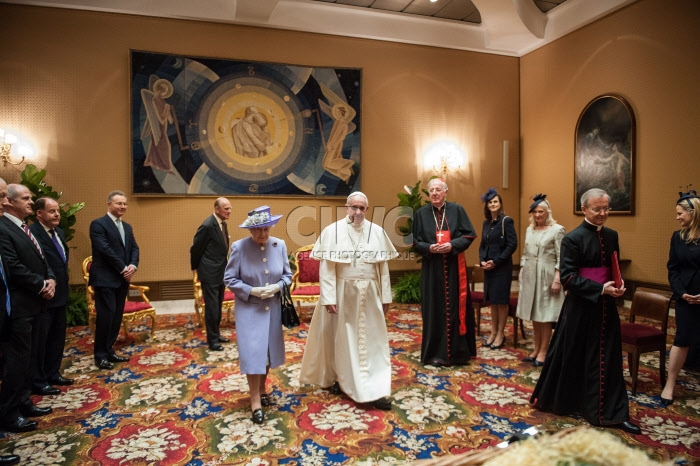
{"type": "Point", "coordinates": [522, 328]}
{"type": "Point", "coordinates": [477, 315]}
{"type": "Point", "coordinates": [515, 332]}
{"type": "Point", "coordinates": [634, 369]}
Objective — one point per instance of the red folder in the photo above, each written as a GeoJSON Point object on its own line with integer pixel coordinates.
{"type": "Point", "coordinates": [616, 275]}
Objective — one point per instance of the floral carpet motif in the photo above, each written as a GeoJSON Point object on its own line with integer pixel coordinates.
{"type": "Point", "coordinates": [177, 403]}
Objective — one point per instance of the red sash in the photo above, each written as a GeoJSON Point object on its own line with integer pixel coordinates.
{"type": "Point", "coordinates": [462, 266]}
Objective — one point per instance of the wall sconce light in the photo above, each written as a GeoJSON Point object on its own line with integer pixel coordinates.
{"type": "Point", "coordinates": [7, 142]}
{"type": "Point", "coordinates": [444, 158]}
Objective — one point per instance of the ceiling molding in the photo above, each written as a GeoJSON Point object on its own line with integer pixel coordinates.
{"type": "Point", "coordinates": [508, 27]}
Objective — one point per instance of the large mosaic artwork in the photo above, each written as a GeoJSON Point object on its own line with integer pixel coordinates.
{"type": "Point", "coordinates": [177, 403]}
{"type": "Point", "coordinates": [203, 126]}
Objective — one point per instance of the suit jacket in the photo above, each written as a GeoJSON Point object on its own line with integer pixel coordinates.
{"type": "Point", "coordinates": [53, 257]}
{"type": "Point", "coordinates": [26, 267]}
{"type": "Point", "coordinates": [109, 255]}
{"type": "Point", "coordinates": [208, 252]}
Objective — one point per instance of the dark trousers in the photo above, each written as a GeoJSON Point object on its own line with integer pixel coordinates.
{"type": "Point", "coordinates": [19, 350]}
{"type": "Point", "coordinates": [213, 298]}
{"type": "Point", "coordinates": [52, 341]}
{"type": "Point", "coordinates": [109, 306]}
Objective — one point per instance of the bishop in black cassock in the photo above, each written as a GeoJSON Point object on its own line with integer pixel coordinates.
{"type": "Point", "coordinates": [582, 373]}
{"type": "Point", "coordinates": [448, 319]}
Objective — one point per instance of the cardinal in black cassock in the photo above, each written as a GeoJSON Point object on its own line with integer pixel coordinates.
{"type": "Point", "coordinates": [442, 232]}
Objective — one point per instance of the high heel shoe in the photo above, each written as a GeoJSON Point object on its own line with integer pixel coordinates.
{"type": "Point", "coordinates": [265, 400]}
{"type": "Point", "coordinates": [666, 402]}
{"type": "Point", "coordinates": [258, 416]}
{"type": "Point", "coordinates": [537, 363]}
{"type": "Point", "coordinates": [528, 359]}
{"type": "Point", "coordinates": [494, 346]}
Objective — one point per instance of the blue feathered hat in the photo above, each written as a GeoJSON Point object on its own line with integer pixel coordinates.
{"type": "Point", "coordinates": [539, 197]}
{"type": "Point", "coordinates": [691, 194]}
{"type": "Point", "coordinates": [490, 194]}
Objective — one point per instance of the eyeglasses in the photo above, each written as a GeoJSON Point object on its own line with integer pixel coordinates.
{"type": "Point", "coordinates": [597, 210]}
{"type": "Point", "coordinates": [361, 208]}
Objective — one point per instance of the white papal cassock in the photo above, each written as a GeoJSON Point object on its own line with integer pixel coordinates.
{"type": "Point", "coordinates": [351, 347]}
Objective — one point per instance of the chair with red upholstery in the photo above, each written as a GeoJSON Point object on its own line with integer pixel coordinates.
{"type": "Point", "coordinates": [305, 281]}
{"type": "Point", "coordinates": [652, 305]}
{"type": "Point", "coordinates": [477, 276]}
{"type": "Point", "coordinates": [227, 306]}
{"type": "Point", "coordinates": [133, 310]}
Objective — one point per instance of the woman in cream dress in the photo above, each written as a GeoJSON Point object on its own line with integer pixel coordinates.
{"type": "Point", "coordinates": [541, 296]}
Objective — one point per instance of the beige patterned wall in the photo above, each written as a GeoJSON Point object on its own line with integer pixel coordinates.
{"type": "Point", "coordinates": [649, 53]}
{"type": "Point", "coordinates": [64, 86]}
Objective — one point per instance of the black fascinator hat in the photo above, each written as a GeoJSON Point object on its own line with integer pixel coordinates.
{"type": "Point", "coordinates": [538, 198]}
{"type": "Point", "coordinates": [691, 194]}
{"type": "Point", "coordinates": [488, 195]}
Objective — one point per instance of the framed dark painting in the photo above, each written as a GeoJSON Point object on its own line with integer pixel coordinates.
{"type": "Point", "coordinates": [605, 145]}
{"type": "Point", "coordinates": [207, 126]}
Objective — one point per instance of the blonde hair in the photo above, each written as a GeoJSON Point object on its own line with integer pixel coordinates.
{"type": "Point", "coordinates": [550, 219]}
{"type": "Point", "coordinates": [692, 232]}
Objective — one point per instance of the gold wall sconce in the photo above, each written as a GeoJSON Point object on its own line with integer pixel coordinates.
{"type": "Point", "coordinates": [8, 143]}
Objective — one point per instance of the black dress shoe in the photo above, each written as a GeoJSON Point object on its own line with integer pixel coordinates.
{"type": "Point", "coordinates": [265, 400]}
{"type": "Point", "coordinates": [666, 401]}
{"type": "Point", "coordinates": [629, 428]}
{"type": "Point", "coordinates": [46, 390]}
{"type": "Point", "coordinates": [19, 424]}
{"type": "Point", "coordinates": [116, 358]}
{"type": "Point", "coordinates": [60, 380]}
{"type": "Point", "coordinates": [335, 389]}
{"type": "Point", "coordinates": [6, 460]}
{"type": "Point", "coordinates": [223, 340]}
{"type": "Point", "coordinates": [216, 347]}
{"type": "Point", "coordinates": [103, 364]}
{"type": "Point", "coordinates": [528, 359]}
{"type": "Point", "coordinates": [33, 410]}
{"type": "Point", "coordinates": [537, 363]}
{"type": "Point", "coordinates": [382, 403]}
{"type": "Point", "coordinates": [258, 416]}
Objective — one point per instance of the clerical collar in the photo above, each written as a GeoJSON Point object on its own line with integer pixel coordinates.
{"type": "Point", "coordinates": [441, 207]}
{"type": "Point", "coordinates": [597, 227]}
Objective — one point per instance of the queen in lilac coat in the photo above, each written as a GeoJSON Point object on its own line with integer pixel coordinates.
{"type": "Point", "coordinates": [256, 269]}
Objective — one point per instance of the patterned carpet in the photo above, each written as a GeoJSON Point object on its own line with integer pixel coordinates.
{"type": "Point", "coordinates": [176, 402]}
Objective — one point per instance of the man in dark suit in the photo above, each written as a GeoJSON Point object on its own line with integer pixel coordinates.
{"type": "Point", "coordinates": [52, 320]}
{"type": "Point", "coordinates": [5, 307]}
{"type": "Point", "coordinates": [208, 258]}
{"type": "Point", "coordinates": [31, 283]}
{"type": "Point", "coordinates": [115, 256]}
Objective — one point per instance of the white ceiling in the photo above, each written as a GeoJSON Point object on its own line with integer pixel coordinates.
{"type": "Point", "coordinates": [508, 27]}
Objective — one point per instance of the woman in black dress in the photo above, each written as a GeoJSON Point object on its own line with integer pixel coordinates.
{"type": "Point", "coordinates": [684, 277]}
{"type": "Point", "coordinates": [498, 243]}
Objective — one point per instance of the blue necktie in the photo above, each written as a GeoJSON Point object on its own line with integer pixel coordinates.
{"type": "Point", "coordinates": [7, 290]}
{"type": "Point", "coordinates": [54, 238]}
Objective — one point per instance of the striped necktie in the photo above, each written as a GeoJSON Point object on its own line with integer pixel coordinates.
{"type": "Point", "coordinates": [31, 237]}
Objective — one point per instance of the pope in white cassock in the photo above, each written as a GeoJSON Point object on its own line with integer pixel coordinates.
{"type": "Point", "coordinates": [347, 346]}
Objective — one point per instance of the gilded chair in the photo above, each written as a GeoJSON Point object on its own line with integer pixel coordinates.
{"type": "Point", "coordinates": [305, 281]}
{"type": "Point", "coordinates": [133, 310]}
{"type": "Point", "coordinates": [653, 306]}
{"type": "Point", "coordinates": [227, 306]}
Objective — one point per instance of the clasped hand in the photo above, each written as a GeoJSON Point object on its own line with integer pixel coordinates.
{"type": "Point", "coordinates": [609, 288]}
{"type": "Point", "coordinates": [265, 292]}
{"type": "Point", "coordinates": [443, 248]}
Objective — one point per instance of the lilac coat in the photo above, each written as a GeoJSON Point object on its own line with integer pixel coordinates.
{"type": "Point", "coordinates": [258, 321]}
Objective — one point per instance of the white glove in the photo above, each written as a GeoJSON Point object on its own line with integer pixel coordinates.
{"type": "Point", "coordinates": [257, 292]}
{"type": "Point", "coordinates": [273, 289]}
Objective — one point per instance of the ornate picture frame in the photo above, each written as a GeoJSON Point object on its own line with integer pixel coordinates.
{"type": "Point", "coordinates": [209, 126]}
{"type": "Point", "coordinates": [605, 152]}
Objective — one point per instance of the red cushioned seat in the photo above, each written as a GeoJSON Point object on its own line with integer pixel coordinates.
{"type": "Point", "coordinates": [640, 335]}
{"type": "Point", "coordinates": [229, 296]}
{"type": "Point", "coordinates": [306, 290]}
{"type": "Point", "coordinates": [135, 306]}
